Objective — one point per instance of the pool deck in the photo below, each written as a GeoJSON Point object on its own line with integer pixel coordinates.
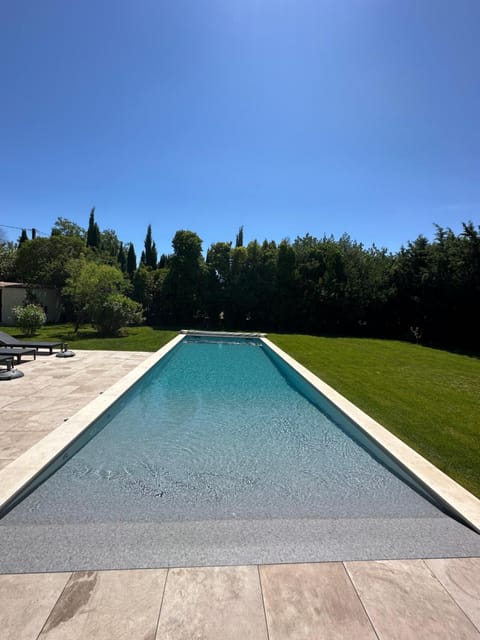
{"type": "Point", "coordinates": [435, 598]}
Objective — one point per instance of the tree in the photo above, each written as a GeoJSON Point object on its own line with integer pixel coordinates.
{"type": "Point", "coordinates": [285, 298]}
{"type": "Point", "coordinates": [65, 227]}
{"type": "Point", "coordinates": [109, 243]}
{"type": "Point", "coordinates": [322, 281]}
{"type": "Point", "coordinates": [164, 261]}
{"type": "Point", "coordinates": [115, 312]}
{"type": "Point", "coordinates": [185, 280]}
{"type": "Point", "coordinates": [93, 232]}
{"type": "Point", "coordinates": [218, 278]}
{"type": "Point", "coordinates": [218, 260]}
{"type": "Point", "coordinates": [142, 286]}
{"type": "Point", "coordinates": [43, 261]}
{"type": "Point", "coordinates": [148, 290]}
{"type": "Point", "coordinates": [23, 237]}
{"type": "Point", "coordinates": [89, 285]}
{"type": "Point", "coordinates": [239, 238]}
{"type": "Point", "coordinates": [122, 258]}
{"type": "Point", "coordinates": [239, 293]}
{"type": "Point", "coordinates": [412, 281]}
{"type": "Point", "coordinates": [266, 281]}
{"type": "Point", "coordinates": [315, 285]}
{"type": "Point", "coordinates": [131, 260]}
{"type": "Point", "coordinates": [150, 255]}
{"type": "Point", "coordinates": [7, 261]}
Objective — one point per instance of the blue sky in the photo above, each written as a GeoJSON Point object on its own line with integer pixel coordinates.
{"type": "Point", "coordinates": [286, 116]}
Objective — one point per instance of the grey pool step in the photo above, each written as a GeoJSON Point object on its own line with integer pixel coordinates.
{"type": "Point", "coordinates": [125, 545]}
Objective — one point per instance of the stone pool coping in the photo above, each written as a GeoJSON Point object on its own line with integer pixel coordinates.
{"type": "Point", "coordinates": [20, 473]}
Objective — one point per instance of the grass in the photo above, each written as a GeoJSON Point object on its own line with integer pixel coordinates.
{"type": "Point", "coordinates": [427, 397]}
{"type": "Point", "coordinates": [136, 338]}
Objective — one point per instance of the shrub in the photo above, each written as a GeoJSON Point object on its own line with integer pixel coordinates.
{"type": "Point", "coordinates": [115, 312]}
{"type": "Point", "coordinates": [29, 318]}
{"type": "Point", "coordinates": [89, 286]}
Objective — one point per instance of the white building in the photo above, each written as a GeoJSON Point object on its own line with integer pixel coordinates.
{"type": "Point", "coordinates": [13, 294]}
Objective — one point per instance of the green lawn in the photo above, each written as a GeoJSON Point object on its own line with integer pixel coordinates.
{"type": "Point", "coordinates": [136, 338]}
{"type": "Point", "coordinates": [428, 398]}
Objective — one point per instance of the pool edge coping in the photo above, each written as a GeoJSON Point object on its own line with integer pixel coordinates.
{"type": "Point", "coordinates": [463, 503]}
{"type": "Point", "coordinates": [17, 475]}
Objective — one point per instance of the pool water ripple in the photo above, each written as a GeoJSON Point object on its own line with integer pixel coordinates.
{"type": "Point", "coordinates": [220, 430]}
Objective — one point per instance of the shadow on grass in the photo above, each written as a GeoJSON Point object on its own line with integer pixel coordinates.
{"type": "Point", "coordinates": [469, 352]}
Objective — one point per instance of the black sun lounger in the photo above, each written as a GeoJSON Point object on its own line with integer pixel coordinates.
{"type": "Point", "coordinates": [7, 361]}
{"type": "Point", "coordinates": [18, 352]}
{"type": "Point", "coordinates": [7, 341]}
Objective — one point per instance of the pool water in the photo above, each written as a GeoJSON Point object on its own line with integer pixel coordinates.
{"type": "Point", "coordinates": [220, 454]}
{"type": "Point", "coordinates": [219, 431]}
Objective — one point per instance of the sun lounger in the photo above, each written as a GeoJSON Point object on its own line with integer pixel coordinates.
{"type": "Point", "coordinates": [7, 340]}
{"type": "Point", "coordinates": [18, 352]}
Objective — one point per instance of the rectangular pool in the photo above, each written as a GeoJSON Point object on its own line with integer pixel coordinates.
{"type": "Point", "coordinates": [223, 454]}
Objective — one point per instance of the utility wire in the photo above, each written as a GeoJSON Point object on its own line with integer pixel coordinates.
{"type": "Point", "coordinates": [8, 226]}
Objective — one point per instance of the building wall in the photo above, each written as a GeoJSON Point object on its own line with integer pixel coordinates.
{"type": "Point", "coordinates": [15, 296]}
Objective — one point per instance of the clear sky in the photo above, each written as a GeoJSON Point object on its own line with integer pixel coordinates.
{"type": "Point", "coordinates": [286, 116]}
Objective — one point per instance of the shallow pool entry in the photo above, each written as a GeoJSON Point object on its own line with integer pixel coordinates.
{"type": "Point", "coordinates": [222, 454]}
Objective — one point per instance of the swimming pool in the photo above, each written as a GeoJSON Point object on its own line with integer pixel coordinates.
{"type": "Point", "coordinates": [223, 454]}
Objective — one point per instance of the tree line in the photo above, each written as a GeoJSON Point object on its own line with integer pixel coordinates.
{"type": "Point", "coordinates": [428, 291]}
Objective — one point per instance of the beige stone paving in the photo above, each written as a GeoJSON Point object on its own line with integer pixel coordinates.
{"type": "Point", "coordinates": [212, 602]}
{"type": "Point", "coordinates": [387, 599]}
{"type": "Point", "coordinates": [461, 577]}
{"type": "Point", "coordinates": [51, 391]}
{"type": "Point", "coordinates": [354, 600]}
{"type": "Point", "coordinates": [26, 602]}
{"type": "Point", "coordinates": [107, 604]}
{"type": "Point", "coordinates": [404, 601]}
{"type": "Point", "coordinates": [303, 601]}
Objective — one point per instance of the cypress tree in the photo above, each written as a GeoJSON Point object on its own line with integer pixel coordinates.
{"type": "Point", "coordinates": [93, 232]}
{"type": "Point", "coordinates": [163, 261]}
{"type": "Point", "coordinates": [154, 257]}
{"type": "Point", "coordinates": [150, 250]}
{"type": "Point", "coordinates": [121, 258]}
{"type": "Point", "coordinates": [239, 238]}
{"type": "Point", "coordinates": [23, 237]}
{"type": "Point", "coordinates": [131, 260]}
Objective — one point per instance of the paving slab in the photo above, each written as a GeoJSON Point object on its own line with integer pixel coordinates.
{"type": "Point", "coordinates": [52, 391]}
{"type": "Point", "coordinates": [218, 603]}
{"type": "Point", "coordinates": [461, 578]}
{"type": "Point", "coordinates": [26, 602]}
{"type": "Point", "coordinates": [404, 601]}
{"type": "Point", "coordinates": [13, 443]}
{"type": "Point", "coordinates": [39, 403]}
{"type": "Point", "coordinates": [305, 601]}
{"type": "Point", "coordinates": [5, 399]}
{"type": "Point", "coordinates": [116, 604]}
{"type": "Point", "coordinates": [4, 462]}
{"type": "Point", "coordinates": [40, 420]}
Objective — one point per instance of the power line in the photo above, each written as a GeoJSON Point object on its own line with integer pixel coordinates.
{"type": "Point", "coordinates": [9, 226]}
